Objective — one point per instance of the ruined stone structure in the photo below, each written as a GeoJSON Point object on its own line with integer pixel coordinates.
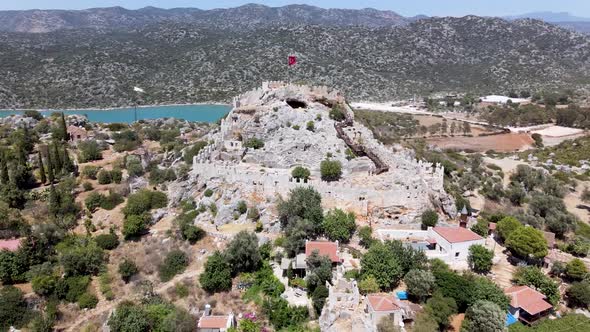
{"type": "Point", "coordinates": [277, 114]}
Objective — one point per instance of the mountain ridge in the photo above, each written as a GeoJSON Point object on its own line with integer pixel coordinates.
{"type": "Point", "coordinates": [42, 21]}
{"type": "Point", "coordinates": [185, 63]}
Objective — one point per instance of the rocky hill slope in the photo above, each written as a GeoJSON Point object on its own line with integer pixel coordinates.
{"type": "Point", "coordinates": [191, 63]}
{"type": "Point", "coordinates": [251, 15]}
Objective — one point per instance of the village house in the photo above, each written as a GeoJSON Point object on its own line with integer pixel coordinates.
{"type": "Point", "coordinates": [77, 134]}
{"type": "Point", "coordinates": [10, 245]}
{"type": "Point", "coordinates": [501, 100]}
{"type": "Point", "coordinates": [215, 323]}
{"type": "Point", "coordinates": [324, 248]}
{"type": "Point", "coordinates": [378, 306]}
{"type": "Point", "coordinates": [448, 243]}
{"type": "Point", "coordinates": [451, 244]}
{"type": "Point", "coordinates": [526, 304]}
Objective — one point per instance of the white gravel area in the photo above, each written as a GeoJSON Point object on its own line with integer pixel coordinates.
{"type": "Point", "coordinates": [558, 131]}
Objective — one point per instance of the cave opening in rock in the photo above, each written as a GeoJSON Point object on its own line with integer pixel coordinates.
{"type": "Point", "coordinates": [294, 103]}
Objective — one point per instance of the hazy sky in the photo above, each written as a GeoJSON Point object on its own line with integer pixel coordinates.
{"type": "Point", "coordinates": [404, 7]}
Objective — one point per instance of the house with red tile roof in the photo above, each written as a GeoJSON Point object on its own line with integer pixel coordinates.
{"type": "Point", "coordinates": [451, 244]}
{"type": "Point", "coordinates": [10, 245]}
{"type": "Point", "coordinates": [215, 323]}
{"type": "Point", "coordinates": [527, 304]}
{"type": "Point", "coordinates": [378, 306]}
{"type": "Point", "coordinates": [77, 134]}
{"type": "Point", "coordinates": [323, 248]}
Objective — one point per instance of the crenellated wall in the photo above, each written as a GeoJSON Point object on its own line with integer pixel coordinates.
{"type": "Point", "coordinates": [279, 181]}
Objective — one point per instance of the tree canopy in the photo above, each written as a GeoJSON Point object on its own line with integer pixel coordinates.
{"type": "Point", "coordinates": [527, 242]}
{"type": "Point", "coordinates": [383, 265]}
{"type": "Point", "coordinates": [243, 253]}
{"type": "Point", "coordinates": [339, 225]}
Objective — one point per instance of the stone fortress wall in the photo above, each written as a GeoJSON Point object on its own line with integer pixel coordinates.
{"type": "Point", "coordinates": [407, 183]}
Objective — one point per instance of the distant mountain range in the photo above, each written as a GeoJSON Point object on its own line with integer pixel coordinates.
{"type": "Point", "coordinates": [178, 62]}
{"type": "Point", "coordinates": [551, 17]}
{"type": "Point", "coordinates": [247, 15]}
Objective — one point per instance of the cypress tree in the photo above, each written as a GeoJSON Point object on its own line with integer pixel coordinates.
{"type": "Point", "coordinates": [53, 203]}
{"type": "Point", "coordinates": [3, 168]}
{"type": "Point", "coordinates": [64, 128]}
{"type": "Point", "coordinates": [56, 159]}
{"type": "Point", "coordinates": [42, 169]}
{"type": "Point", "coordinates": [68, 166]}
{"type": "Point", "coordinates": [50, 166]}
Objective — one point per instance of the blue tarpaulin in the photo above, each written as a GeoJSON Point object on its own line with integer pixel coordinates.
{"type": "Point", "coordinates": [402, 295]}
{"type": "Point", "coordinates": [510, 319]}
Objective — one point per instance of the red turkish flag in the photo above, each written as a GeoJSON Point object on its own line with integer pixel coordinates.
{"type": "Point", "coordinates": [292, 60]}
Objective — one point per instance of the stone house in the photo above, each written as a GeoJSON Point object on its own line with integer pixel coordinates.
{"type": "Point", "coordinates": [378, 306]}
{"type": "Point", "coordinates": [77, 134]}
{"type": "Point", "coordinates": [342, 302]}
{"type": "Point", "coordinates": [526, 304]}
{"type": "Point", "coordinates": [324, 248]}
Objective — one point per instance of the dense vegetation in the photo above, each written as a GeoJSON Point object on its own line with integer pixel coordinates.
{"type": "Point", "coordinates": [447, 63]}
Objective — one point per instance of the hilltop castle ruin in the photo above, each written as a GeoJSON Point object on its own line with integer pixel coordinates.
{"type": "Point", "coordinates": [278, 114]}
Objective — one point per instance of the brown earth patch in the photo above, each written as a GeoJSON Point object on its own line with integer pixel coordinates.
{"type": "Point", "coordinates": [501, 143]}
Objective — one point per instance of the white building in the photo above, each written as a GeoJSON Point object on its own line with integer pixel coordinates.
{"type": "Point", "coordinates": [451, 244]}
{"type": "Point", "coordinates": [495, 99]}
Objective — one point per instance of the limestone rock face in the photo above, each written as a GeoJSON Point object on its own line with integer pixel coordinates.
{"type": "Point", "coordinates": [77, 120]}
{"type": "Point", "coordinates": [18, 121]}
{"type": "Point", "coordinates": [279, 126]}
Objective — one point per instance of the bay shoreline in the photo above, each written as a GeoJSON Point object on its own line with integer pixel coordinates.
{"type": "Point", "coordinates": [111, 108]}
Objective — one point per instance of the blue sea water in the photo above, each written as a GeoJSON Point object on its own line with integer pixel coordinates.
{"type": "Point", "coordinates": [198, 113]}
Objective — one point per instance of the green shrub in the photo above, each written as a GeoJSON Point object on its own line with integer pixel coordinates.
{"type": "Point", "coordinates": [253, 214]}
{"type": "Point", "coordinates": [104, 177]}
{"type": "Point", "coordinates": [111, 201]}
{"type": "Point", "coordinates": [213, 209]}
{"type": "Point", "coordinates": [127, 269]}
{"type": "Point", "coordinates": [242, 207]}
{"type": "Point", "coordinates": [105, 281]}
{"type": "Point", "coordinates": [87, 186]}
{"type": "Point", "coordinates": [71, 288]}
{"type": "Point", "coordinates": [134, 168]}
{"type": "Point", "coordinates": [116, 175]}
{"type": "Point", "coordinates": [175, 262]}
{"type": "Point", "coordinates": [217, 274]}
{"type": "Point", "coordinates": [89, 151]}
{"type": "Point", "coordinates": [310, 126]}
{"type": "Point", "coordinates": [87, 301]}
{"type": "Point", "coordinates": [208, 193]}
{"type": "Point", "coordinates": [300, 172]}
{"type": "Point", "coordinates": [90, 172]}
{"type": "Point", "coordinates": [93, 201]}
{"type": "Point", "coordinates": [44, 285]}
{"type": "Point", "coordinates": [181, 290]}
{"type": "Point", "coordinates": [429, 218]}
{"type": "Point", "coordinates": [133, 226]}
{"type": "Point", "coordinates": [336, 113]}
{"type": "Point", "coordinates": [159, 176]}
{"type": "Point", "coordinates": [254, 143]}
{"type": "Point", "coordinates": [108, 241]}
{"type": "Point", "coordinates": [143, 201]}
{"type": "Point", "coordinates": [331, 170]}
